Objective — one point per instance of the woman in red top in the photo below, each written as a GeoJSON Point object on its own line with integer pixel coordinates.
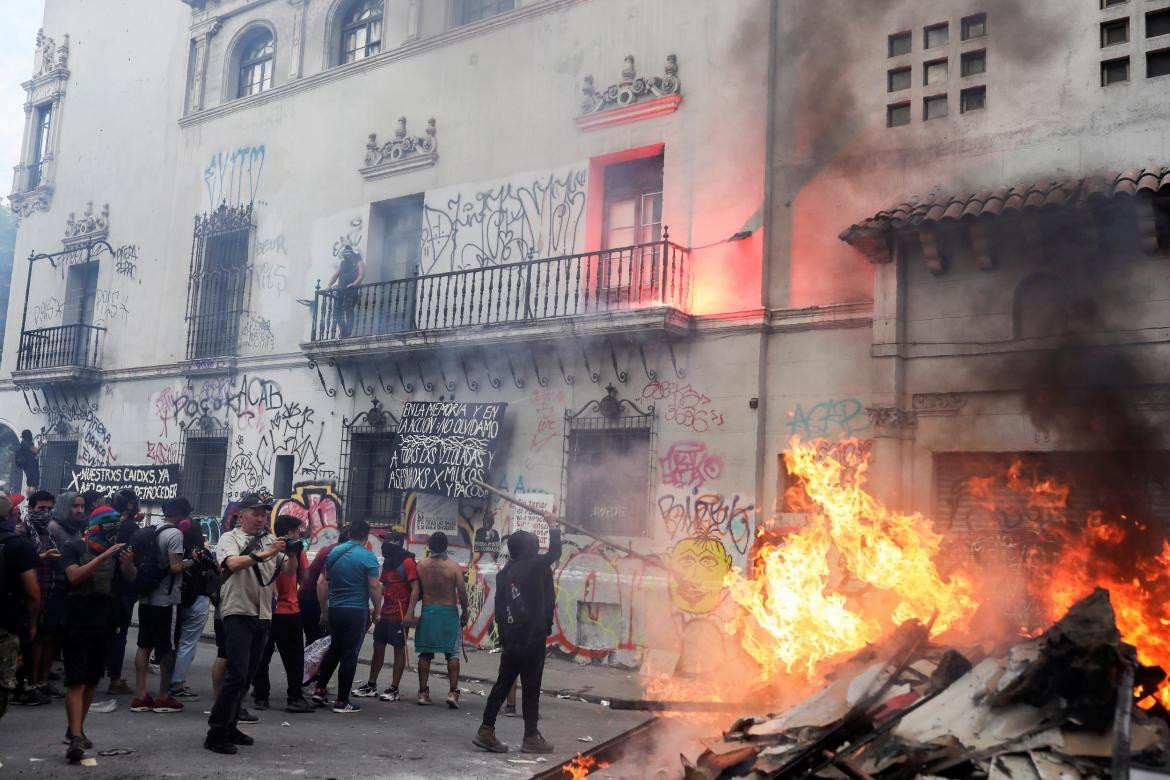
{"type": "Point", "coordinates": [400, 592]}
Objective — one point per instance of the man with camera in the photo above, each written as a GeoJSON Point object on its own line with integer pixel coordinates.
{"type": "Point", "coordinates": [251, 559]}
{"type": "Point", "coordinates": [287, 634]}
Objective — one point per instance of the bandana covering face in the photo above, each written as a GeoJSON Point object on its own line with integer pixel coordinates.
{"type": "Point", "coordinates": [100, 531]}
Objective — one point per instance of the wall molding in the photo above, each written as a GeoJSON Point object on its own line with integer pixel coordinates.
{"type": "Point", "coordinates": [401, 154]}
{"type": "Point", "coordinates": [632, 99]}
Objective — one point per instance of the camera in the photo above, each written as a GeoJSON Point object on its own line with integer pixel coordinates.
{"type": "Point", "coordinates": [294, 546]}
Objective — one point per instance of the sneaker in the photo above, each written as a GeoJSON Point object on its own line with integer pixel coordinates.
{"type": "Point", "coordinates": [424, 697]}
{"type": "Point", "coordinates": [169, 704]}
{"type": "Point", "coordinates": [184, 692]}
{"type": "Point", "coordinates": [453, 699]}
{"type": "Point", "coordinates": [76, 750]}
{"type": "Point", "coordinates": [535, 743]}
{"type": "Point", "coordinates": [154, 668]}
{"type": "Point", "coordinates": [390, 694]}
{"type": "Point", "coordinates": [486, 738]}
{"type": "Point", "coordinates": [220, 745]}
{"type": "Point", "coordinates": [510, 711]}
{"type": "Point", "coordinates": [84, 739]}
{"type": "Point", "coordinates": [31, 697]}
{"type": "Point", "coordinates": [238, 737]}
{"type": "Point", "coordinates": [260, 702]}
{"type": "Point", "coordinates": [346, 706]}
{"type": "Point", "coordinates": [320, 698]}
{"type": "Point", "coordinates": [366, 691]}
{"type": "Point", "coordinates": [119, 687]}
{"type": "Point", "coordinates": [299, 705]}
{"type": "Point", "coordinates": [53, 691]}
{"type": "Point", "coordinates": [142, 705]}
{"type": "Point", "coordinates": [246, 717]}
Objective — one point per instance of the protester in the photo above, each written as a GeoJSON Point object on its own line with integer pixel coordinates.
{"type": "Point", "coordinates": [159, 559]}
{"type": "Point", "coordinates": [351, 269]}
{"type": "Point", "coordinates": [125, 503]}
{"type": "Point", "coordinates": [287, 633]}
{"type": "Point", "coordinates": [350, 584]}
{"type": "Point", "coordinates": [250, 558]}
{"type": "Point", "coordinates": [400, 592]}
{"type": "Point", "coordinates": [26, 460]}
{"type": "Point", "coordinates": [90, 616]}
{"type": "Point", "coordinates": [440, 627]}
{"type": "Point", "coordinates": [20, 596]}
{"type": "Point", "coordinates": [525, 601]}
{"type": "Point", "coordinates": [69, 518]}
{"type": "Point", "coordinates": [198, 580]}
{"type": "Point", "coordinates": [42, 651]}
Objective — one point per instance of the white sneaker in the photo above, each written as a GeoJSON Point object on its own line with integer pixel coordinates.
{"type": "Point", "coordinates": [365, 692]}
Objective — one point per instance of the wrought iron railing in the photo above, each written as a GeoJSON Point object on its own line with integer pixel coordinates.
{"type": "Point", "coordinates": [634, 277]}
{"type": "Point", "coordinates": [60, 347]}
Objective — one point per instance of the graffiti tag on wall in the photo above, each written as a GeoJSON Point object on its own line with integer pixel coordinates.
{"type": "Point", "coordinates": [683, 405]}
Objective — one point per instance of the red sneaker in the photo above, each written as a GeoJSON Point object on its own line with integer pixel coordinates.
{"type": "Point", "coordinates": [169, 704]}
{"type": "Point", "coordinates": [142, 705]}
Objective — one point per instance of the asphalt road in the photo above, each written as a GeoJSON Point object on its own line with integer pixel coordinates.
{"type": "Point", "coordinates": [400, 740]}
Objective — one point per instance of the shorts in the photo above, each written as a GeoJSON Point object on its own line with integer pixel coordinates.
{"type": "Point", "coordinates": [391, 632]}
{"type": "Point", "coordinates": [86, 652]}
{"type": "Point", "coordinates": [158, 627]}
{"type": "Point", "coordinates": [52, 620]}
{"type": "Point", "coordinates": [220, 639]}
{"type": "Point", "coordinates": [9, 655]}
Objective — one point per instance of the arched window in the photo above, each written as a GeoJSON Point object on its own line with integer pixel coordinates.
{"type": "Point", "coordinates": [361, 30]}
{"type": "Point", "coordinates": [257, 53]}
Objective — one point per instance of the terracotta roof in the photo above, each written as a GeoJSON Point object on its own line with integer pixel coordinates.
{"type": "Point", "coordinates": [931, 209]}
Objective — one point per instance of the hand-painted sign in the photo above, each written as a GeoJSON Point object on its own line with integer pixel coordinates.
{"type": "Point", "coordinates": [523, 520]}
{"type": "Point", "coordinates": [443, 448]}
{"type": "Point", "coordinates": [152, 483]}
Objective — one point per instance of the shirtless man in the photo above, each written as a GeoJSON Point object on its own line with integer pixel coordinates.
{"type": "Point", "coordinates": [441, 625]}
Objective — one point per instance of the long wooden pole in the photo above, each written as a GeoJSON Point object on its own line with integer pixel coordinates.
{"type": "Point", "coordinates": [574, 528]}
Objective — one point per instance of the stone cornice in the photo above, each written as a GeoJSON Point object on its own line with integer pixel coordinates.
{"type": "Point", "coordinates": [631, 99]}
{"type": "Point", "coordinates": [411, 49]}
{"type": "Point", "coordinates": [400, 154]}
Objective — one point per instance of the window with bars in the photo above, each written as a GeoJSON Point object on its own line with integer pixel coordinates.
{"type": "Point", "coordinates": [367, 476]}
{"type": "Point", "coordinates": [257, 53]}
{"type": "Point", "coordinates": [468, 11]}
{"type": "Point", "coordinates": [204, 467]}
{"type": "Point", "coordinates": [57, 455]}
{"type": "Point", "coordinates": [217, 294]}
{"type": "Point", "coordinates": [361, 32]}
{"type": "Point", "coordinates": [607, 467]}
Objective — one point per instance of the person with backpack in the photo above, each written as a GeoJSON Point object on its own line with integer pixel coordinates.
{"type": "Point", "coordinates": [400, 593]}
{"type": "Point", "coordinates": [20, 595]}
{"type": "Point", "coordinates": [92, 566]}
{"type": "Point", "coordinates": [159, 562]}
{"type": "Point", "coordinates": [26, 459]}
{"type": "Point", "coordinates": [200, 580]}
{"type": "Point", "coordinates": [125, 503]}
{"type": "Point", "coordinates": [525, 601]}
{"type": "Point", "coordinates": [348, 588]}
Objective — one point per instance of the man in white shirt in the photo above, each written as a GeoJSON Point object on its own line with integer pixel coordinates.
{"type": "Point", "coordinates": [251, 558]}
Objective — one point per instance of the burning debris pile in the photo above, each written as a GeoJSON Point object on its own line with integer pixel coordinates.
{"type": "Point", "coordinates": [1061, 705]}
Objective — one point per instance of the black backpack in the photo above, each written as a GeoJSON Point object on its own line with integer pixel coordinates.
{"type": "Point", "coordinates": [144, 543]}
{"type": "Point", "coordinates": [516, 619]}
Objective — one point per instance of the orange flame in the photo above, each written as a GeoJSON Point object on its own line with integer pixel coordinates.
{"type": "Point", "coordinates": [790, 615]}
{"type": "Point", "coordinates": [582, 766]}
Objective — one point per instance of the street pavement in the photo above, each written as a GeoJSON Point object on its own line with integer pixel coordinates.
{"type": "Point", "coordinates": [400, 739]}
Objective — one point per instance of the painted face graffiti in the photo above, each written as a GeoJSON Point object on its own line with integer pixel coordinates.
{"type": "Point", "coordinates": [697, 567]}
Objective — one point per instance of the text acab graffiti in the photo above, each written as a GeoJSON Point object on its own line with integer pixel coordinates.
{"type": "Point", "coordinates": [443, 449]}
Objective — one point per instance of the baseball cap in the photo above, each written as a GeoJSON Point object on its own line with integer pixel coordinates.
{"type": "Point", "coordinates": [253, 500]}
{"type": "Point", "coordinates": [8, 503]}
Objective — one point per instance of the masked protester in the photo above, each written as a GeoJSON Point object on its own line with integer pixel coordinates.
{"type": "Point", "coordinates": [400, 593]}
{"type": "Point", "coordinates": [43, 650]}
{"type": "Point", "coordinates": [69, 518]}
{"type": "Point", "coordinates": [125, 503]}
{"type": "Point", "coordinates": [20, 596]}
{"type": "Point", "coordinates": [92, 565]}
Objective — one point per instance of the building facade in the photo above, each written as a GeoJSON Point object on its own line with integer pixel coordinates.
{"type": "Point", "coordinates": [668, 235]}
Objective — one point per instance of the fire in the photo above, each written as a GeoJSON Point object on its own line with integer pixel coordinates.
{"type": "Point", "coordinates": [793, 618]}
{"type": "Point", "coordinates": [582, 766]}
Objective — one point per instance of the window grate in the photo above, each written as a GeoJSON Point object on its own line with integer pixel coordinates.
{"type": "Point", "coordinates": [366, 449]}
{"type": "Point", "coordinates": [204, 466]}
{"type": "Point", "coordinates": [218, 285]}
{"type": "Point", "coordinates": [57, 455]}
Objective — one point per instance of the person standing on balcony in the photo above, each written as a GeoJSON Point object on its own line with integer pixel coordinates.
{"type": "Point", "coordinates": [349, 274]}
{"type": "Point", "coordinates": [26, 460]}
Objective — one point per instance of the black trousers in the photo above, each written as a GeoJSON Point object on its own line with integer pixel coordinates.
{"type": "Point", "coordinates": [311, 620]}
{"type": "Point", "coordinates": [287, 637]}
{"type": "Point", "coordinates": [347, 630]}
{"type": "Point", "coordinates": [527, 663]}
{"type": "Point", "coordinates": [244, 640]}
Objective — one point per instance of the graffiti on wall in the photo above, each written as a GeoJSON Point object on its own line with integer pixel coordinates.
{"type": "Point", "coordinates": [503, 224]}
{"type": "Point", "coordinates": [126, 260]}
{"type": "Point", "coordinates": [233, 176]}
{"type": "Point", "coordinates": [256, 334]}
{"type": "Point", "coordinates": [550, 408]}
{"type": "Point", "coordinates": [320, 509]}
{"type": "Point", "coordinates": [94, 442]}
{"type": "Point", "coordinates": [162, 452]}
{"type": "Point", "coordinates": [247, 398]}
{"type": "Point", "coordinates": [687, 464]}
{"type": "Point", "coordinates": [49, 310]}
{"type": "Point", "coordinates": [683, 404]}
{"type": "Point", "coordinates": [832, 418]}
{"type": "Point", "coordinates": [270, 277]}
{"type": "Point", "coordinates": [110, 306]}
{"type": "Point", "coordinates": [351, 239]}
{"type": "Point", "coordinates": [709, 515]}
{"type": "Point", "coordinates": [697, 566]}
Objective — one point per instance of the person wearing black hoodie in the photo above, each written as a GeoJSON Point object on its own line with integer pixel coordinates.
{"type": "Point", "coordinates": [525, 599]}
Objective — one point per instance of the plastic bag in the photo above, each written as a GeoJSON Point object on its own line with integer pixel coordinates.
{"type": "Point", "coordinates": [314, 655]}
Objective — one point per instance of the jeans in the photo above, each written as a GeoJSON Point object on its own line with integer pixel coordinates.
{"type": "Point", "coordinates": [527, 663]}
{"type": "Point", "coordinates": [347, 629]}
{"type": "Point", "coordinates": [192, 620]}
{"type": "Point", "coordinates": [118, 640]}
{"type": "Point", "coordinates": [286, 635]}
{"type": "Point", "coordinates": [244, 640]}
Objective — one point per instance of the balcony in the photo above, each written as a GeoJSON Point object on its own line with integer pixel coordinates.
{"type": "Point", "coordinates": [635, 285]}
{"type": "Point", "coordinates": [64, 352]}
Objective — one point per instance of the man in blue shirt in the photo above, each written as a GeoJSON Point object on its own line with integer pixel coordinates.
{"type": "Point", "coordinates": [346, 591]}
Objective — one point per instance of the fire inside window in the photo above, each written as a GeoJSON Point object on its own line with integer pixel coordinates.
{"type": "Point", "coordinates": [362, 35]}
